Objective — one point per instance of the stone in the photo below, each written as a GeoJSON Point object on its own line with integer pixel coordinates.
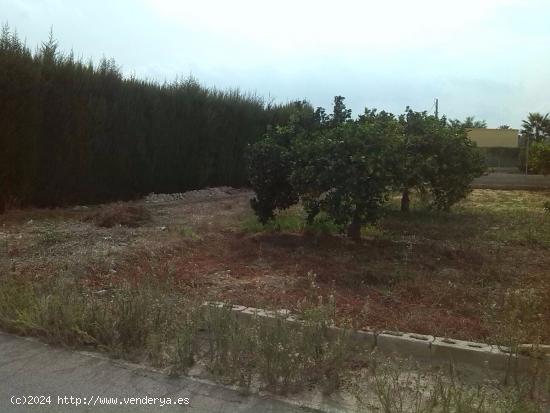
{"type": "Point", "coordinates": [458, 351]}
{"type": "Point", "coordinates": [392, 342]}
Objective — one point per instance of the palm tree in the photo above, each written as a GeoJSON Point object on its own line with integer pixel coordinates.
{"type": "Point", "coordinates": [470, 123]}
{"type": "Point", "coordinates": [536, 128]}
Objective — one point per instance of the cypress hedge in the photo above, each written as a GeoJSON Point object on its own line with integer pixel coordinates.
{"type": "Point", "coordinates": [74, 132]}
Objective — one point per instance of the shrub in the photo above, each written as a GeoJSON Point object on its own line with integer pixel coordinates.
{"type": "Point", "coordinates": [457, 163]}
{"type": "Point", "coordinates": [343, 172]}
{"type": "Point", "coordinates": [539, 158]}
{"type": "Point", "coordinates": [269, 169]}
{"type": "Point", "coordinates": [346, 168]}
{"type": "Point", "coordinates": [437, 158]}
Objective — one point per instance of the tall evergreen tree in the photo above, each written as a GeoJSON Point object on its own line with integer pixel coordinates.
{"type": "Point", "coordinates": [75, 132]}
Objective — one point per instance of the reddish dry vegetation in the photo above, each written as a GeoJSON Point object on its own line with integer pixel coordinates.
{"type": "Point", "coordinates": [445, 276]}
{"type": "Point", "coordinates": [119, 214]}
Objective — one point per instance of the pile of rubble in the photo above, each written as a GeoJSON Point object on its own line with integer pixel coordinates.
{"type": "Point", "coordinates": [197, 195]}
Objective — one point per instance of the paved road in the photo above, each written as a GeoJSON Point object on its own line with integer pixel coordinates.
{"type": "Point", "coordinates": [503, 180]}
{"type": "Point", "coordinates": [28, 367]}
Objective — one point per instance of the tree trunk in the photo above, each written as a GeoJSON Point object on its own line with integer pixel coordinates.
{"type": "Point", "coordinates": [405, 201]}
{"type": "Point", "coordinates": [354, 229]}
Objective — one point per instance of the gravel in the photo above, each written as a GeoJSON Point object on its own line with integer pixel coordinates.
{"type": "Point", "coordinates": [197, 195]}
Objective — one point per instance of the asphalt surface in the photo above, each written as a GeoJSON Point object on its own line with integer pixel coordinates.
{"type": "Point", "coordinates": [31, 371]}
{"type": "Point", "coordinates": [503, 180]}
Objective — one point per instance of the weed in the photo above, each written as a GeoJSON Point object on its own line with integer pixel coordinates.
{"type": "Point", "coordinates": [50, 236]}
{"type": "Point", "coordinates": [124, 322]}
{"type": "Point", "coordinates": [372, 231]}
{"type": "Point", "coordinates": [323, 225]}
{"type": "Point", "coordinates": [402, 386]}
{"type": "Point", "coordinates": [522, 317]}
{"type": "Point", "coordinates": [286, 356]}
{"type": "Point", "coordinates": [186, 346]}
{"type": "Point", "coordinates": [230, 348]}
{"type": "Point", "coordinates": [292, 219]}
{"type": "Point", "coordinates": [187, 232]}
{"type": "Point", "coordinates": [149, 322]}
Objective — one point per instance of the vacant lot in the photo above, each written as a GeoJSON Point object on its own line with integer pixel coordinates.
{"type": "Point", "coordinates": [472, 273]}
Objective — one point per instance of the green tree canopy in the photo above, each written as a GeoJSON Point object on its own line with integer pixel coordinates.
{"type": "Point", "coordinates": [540, 158]}
{"type": "Point", "coordinates": [470, 123]}
{"type": "Point", "coordinates": [346, 172]}
{"type": "Point", "coordinates": [536, 128]}
{"type": "Point", "coordinates": [436, 158]}
{"type": "Point", "coordinates": [348, 168]}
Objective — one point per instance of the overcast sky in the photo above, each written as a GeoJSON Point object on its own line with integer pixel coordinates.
{"type": "Point", "coordinates": [487, 58]}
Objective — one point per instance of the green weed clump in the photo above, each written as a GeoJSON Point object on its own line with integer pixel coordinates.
{"type": "Point", "coordinates": [50, 236]}
{"type": "Point", "coordinates": [293, 219]}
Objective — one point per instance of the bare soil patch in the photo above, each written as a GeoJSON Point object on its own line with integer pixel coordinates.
{"type": "Point", "coordinates": [120, 214]}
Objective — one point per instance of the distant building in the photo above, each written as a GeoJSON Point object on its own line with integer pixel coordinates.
{"type": "Point", "coordinates": [501, 146]}
{"type": "Point", "coordinates": [494, 138]}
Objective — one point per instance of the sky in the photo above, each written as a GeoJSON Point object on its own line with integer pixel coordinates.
{"type": "Point", "coordinates": [484, 58]}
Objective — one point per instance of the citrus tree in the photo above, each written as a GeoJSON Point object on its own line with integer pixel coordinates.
{"type": "Point", "coordinates": [346, 173]}
{"type": "Point", "coordinates": [437, 158]}
{"type": "Point", "coordinates": [347, 167]}
{"type": "Point", "coordinates": [453, 167]}
{"type": "Point", "coordinates": [269, 168]}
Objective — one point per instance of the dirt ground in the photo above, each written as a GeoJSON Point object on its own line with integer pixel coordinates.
{"type": "Point", "coordinates": [426, 272]}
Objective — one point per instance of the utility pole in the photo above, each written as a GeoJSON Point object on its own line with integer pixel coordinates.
{"type": "Point", "coordinates": [526, 154]}
{"type": "Point", "coordinates": [437, 108]}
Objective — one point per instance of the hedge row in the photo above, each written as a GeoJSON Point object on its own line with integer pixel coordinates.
{"type": "Point", "coordinates": [75, 132]}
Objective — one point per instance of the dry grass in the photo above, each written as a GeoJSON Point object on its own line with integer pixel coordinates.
{"type": "Point", "coordinates": [151, 323]}
{"type": "Point", "coordinates": [480, 272]}
{"type": "Point", "coordinates": [120, 214]}
{"type": "Point", "coordinates": [427, 272]}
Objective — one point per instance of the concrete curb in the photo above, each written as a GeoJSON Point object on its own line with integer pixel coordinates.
{"type": "Point", "coordinates": [418, 346]}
